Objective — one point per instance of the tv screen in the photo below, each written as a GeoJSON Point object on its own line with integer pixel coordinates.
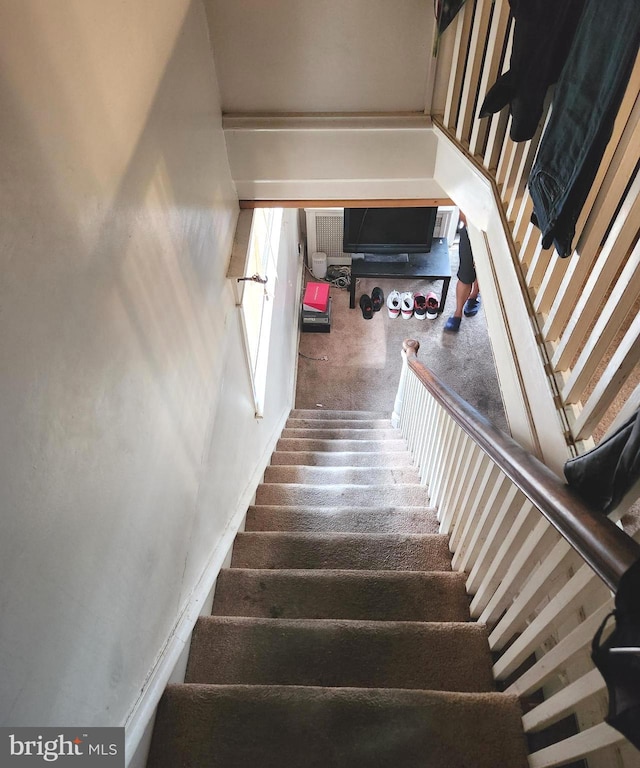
{"type": "Point", "coordinates": [388, 230]}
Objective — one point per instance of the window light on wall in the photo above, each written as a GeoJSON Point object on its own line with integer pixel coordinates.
{"type": "Point", "coordinates": [256, 302]}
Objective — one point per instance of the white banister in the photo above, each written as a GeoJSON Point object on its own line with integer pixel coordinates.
{"type": "Point", "coordinates": [577, 318]}
{"type": "Point", "coordinates": [541, 602]}
{"type": "Point", "coordinates": [559, 560]}
{"type": "Point", "coordinates": [564, 702]}
{"type": "Point", "coordinates": [478, 529]}
{"type": "Point", "coordinates": [484, 575]}
{"type": "Point", "coordinates": [558, 657]}
{"type": "Point", "coordinates": [575, 747]}
{"type": "Point", "coordinates": [568, 600]}
{"type": "Point", "coordinates": [564, 294]}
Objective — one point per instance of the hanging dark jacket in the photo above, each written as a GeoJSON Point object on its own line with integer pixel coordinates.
{"type": "Point", "coordinates": [542, 37]}
{"type": "Point", "coordinates": [603, 475]}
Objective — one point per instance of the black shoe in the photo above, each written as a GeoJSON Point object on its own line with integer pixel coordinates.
{"type": "Point", "coordinates": [366, 305]}
{"type": "Point", "coordinates": [377, 299]}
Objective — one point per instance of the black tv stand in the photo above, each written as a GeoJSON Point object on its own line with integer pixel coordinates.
{"type": "Point", "coordinates": [434, 265]}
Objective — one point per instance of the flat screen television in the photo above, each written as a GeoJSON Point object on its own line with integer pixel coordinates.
{"type": "Point", "coordinates": [388, 230]}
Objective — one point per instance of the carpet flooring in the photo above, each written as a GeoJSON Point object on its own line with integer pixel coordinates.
{"type": "Point", "coordinates": [339, 635]}
{"type": "Point", "coordinates": [356, 365]}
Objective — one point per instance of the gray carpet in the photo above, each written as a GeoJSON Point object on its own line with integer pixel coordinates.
{"type": "Point", "coordinates": [339, 636]}
{"type": "Point", "coordinates": [342, 594]}
{"type": "Point", "coordinates": [278, 726]}
{"type": "Point", "coordinates": [362, 654]}
{"type": "Point", "coordinates": [363, 362]}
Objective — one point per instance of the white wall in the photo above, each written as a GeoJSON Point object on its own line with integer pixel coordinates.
{"type": "Point", "coordinates": [322, 56]}
{"type": "Point", "coordinates": [526, 392]}
{"type": "Point", "coordinates": [339, 157]}
{"type": "Point", "coordinates": [127, 437]}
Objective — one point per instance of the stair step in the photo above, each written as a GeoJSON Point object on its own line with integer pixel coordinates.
{"type": "Point", "coordinates": [296, 423]}
{"type": "Point", "coordinates": [342, 475]}
{"type": "Point", "coordinates": [289, 494]}
{"type": "Point", "coordinates": [342, 519]}
{"type": "Point", "coordinates": [359, 595]}
{"type": "Point", "coordinates": [342, 459]}
{"type": "Point", "coordinates": [326, 413]}
{"type": "Point", "coordinates": [308, 444]}
{"type": "Point", "coordinates": [339, 636]}
{"type": "Point", "coordinates": [342, 434]}
{"type": "Point", "coordinates": [353, 551]}
{"type": "Point", "coordinates": [444, 656]}
{"type": "Point", "coordinates": [275, 726]}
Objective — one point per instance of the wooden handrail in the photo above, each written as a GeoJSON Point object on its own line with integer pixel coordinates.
{"type": "Point", "coordinates": [605, 547]}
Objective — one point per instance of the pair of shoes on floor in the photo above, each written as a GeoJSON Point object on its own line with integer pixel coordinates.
{"type": "Point", "coordinates": [425, 306]}
{"type": "Point", "coordinates": [371, 304]}
{"type": "Point", "coordinates": [407, 304]}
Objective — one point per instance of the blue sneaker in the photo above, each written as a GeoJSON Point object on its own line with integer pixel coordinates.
{"type": "Point", "coordinates": [453, 324]}
{"type": "Point", "coordinates": [472, 306]}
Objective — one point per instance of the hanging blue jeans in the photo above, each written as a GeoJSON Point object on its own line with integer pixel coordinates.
{"type": "Point", "coordinates": [585, 105]}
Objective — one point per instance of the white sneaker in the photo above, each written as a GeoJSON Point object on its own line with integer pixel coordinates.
{"type": "Point", "coordinates": [393, 303]}
{"type": "Point", "coordinates": [406, 304]}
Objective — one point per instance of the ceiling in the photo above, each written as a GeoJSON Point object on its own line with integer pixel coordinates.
{"type": "Point", "coordinates": [305, 56]}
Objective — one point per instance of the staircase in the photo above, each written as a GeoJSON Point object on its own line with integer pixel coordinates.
{"type": "Point", "coordinates": [339, 635]}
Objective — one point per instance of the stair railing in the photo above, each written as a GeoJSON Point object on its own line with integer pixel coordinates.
{"type": "Point", "coordinates": [586, 307]}
{"type": "Point", "coordinates": [541, 565]}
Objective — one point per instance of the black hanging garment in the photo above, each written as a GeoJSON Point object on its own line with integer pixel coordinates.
{"type": "Point", "coordinates": [618, 658]}
{"type": "Point", "coordinates": [445, 12]}
{"type": "Point", "coordinates": [586, 101]}
{"type": "Point", "coordinates": [603, 475]}
{"type": "Point", "coordinates": [542, 37]}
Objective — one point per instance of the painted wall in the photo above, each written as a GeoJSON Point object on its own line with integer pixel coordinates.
{"type": "Point", "coordinates": [326, 56]}
{"type": "Point", "coordinates": [526, 393]}
{"type": "Point", "coordinates": [127, 436]}
{"type": "Point", "coordinates": [334, 157]}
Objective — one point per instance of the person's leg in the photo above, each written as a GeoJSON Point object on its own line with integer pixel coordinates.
{"type": "Point", "coordinates": [472, 304]}
{"type": "Point", "coordinates": [467, 281]}
{"type": "Point", "coordinates": [462, 294]}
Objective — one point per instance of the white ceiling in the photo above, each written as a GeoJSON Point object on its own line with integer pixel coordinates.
{"type": "Point", "coordinates": [322, 55]}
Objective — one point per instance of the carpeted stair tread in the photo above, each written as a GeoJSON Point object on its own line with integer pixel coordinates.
{"type": "Point", "coordinates": [309, 444]}
{"type": "Point", "coordinates": [342, 519]}
{"type": "Point", "coordinates": [326, 413]}
{"type": "Point", "coordinates": [401, 494]}
{"type": "Point", "coordinates": [341, 594]}
{"type": "Point", "coordinates": [298, 423]}
{"type": "Point", "coordinates": [339, 635]}
{"type": "Point", "coordinates": [310, 727]}
{"type": "Point", "coordinates": [444, 656]}
{"type": "Point", "coordinates": [342, 434]}
{"type": "Point", "coordinates": [342, 475]}
{"type": "Point", "coordinates": [359, 551]}
{"type": "Point", "coordinates": [342, 458]}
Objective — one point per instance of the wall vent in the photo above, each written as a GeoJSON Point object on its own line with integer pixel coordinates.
{"type": "Point", "coordinates": [444, 223]}
{"type": "Point", "coordinates": [324, 233]}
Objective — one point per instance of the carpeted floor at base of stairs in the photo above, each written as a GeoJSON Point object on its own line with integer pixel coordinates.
{"type": "Point", "coordinates": [339, 636]}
